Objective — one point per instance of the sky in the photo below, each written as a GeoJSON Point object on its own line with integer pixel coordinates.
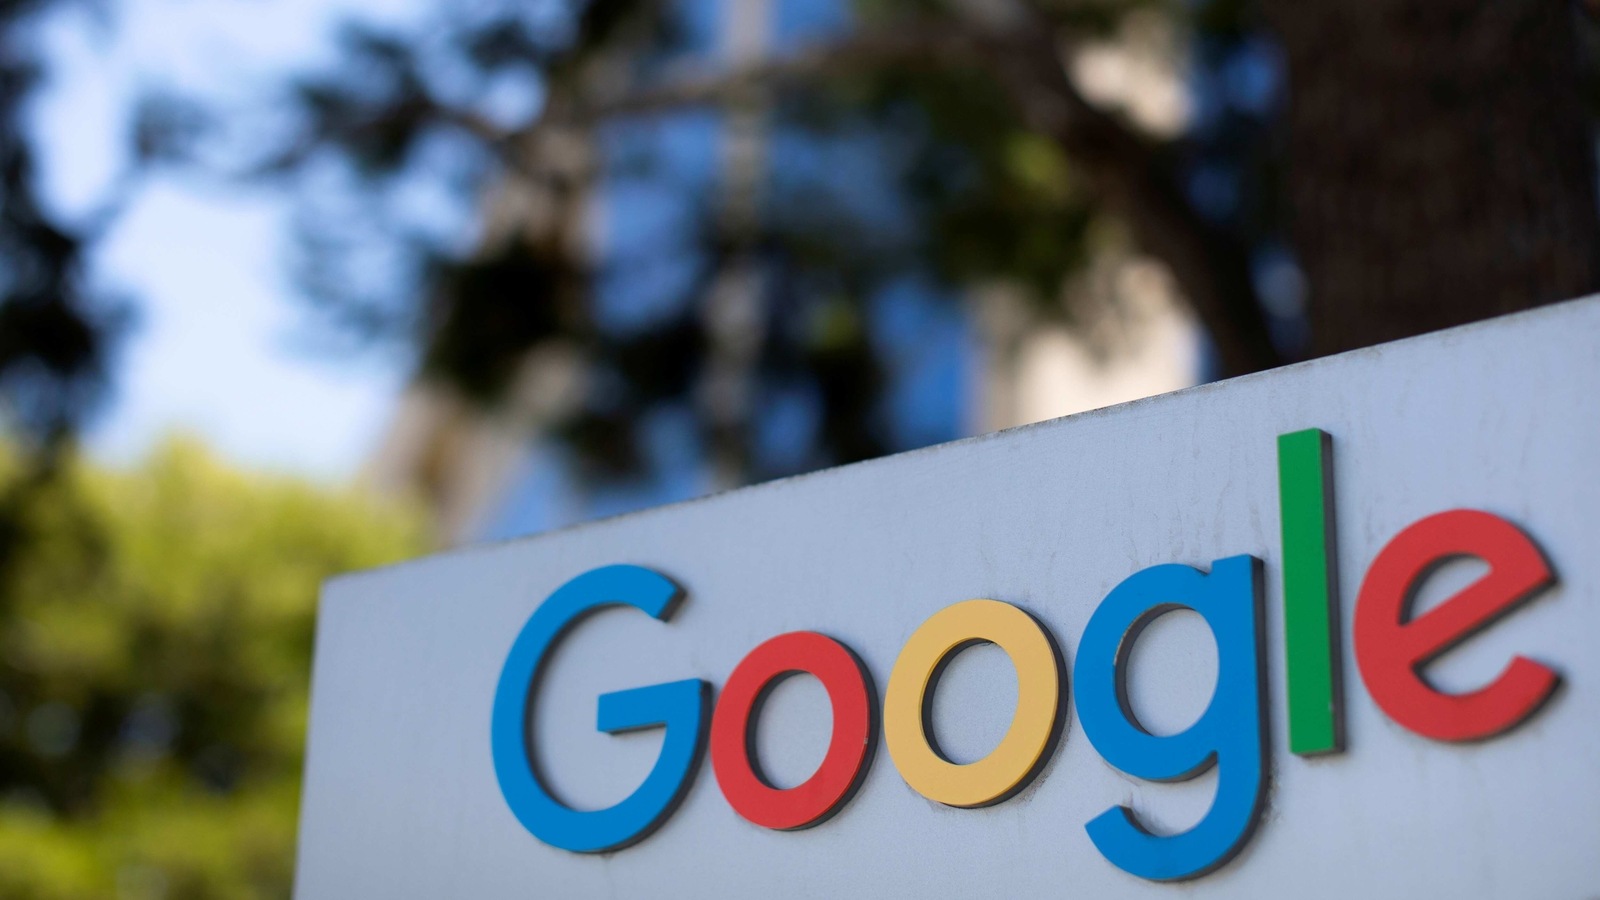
{"type": "Point", "coordinates": [222, 345]}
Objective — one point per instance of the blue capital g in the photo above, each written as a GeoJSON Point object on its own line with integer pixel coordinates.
{"type": "Point", "coordinates": [679, 706]}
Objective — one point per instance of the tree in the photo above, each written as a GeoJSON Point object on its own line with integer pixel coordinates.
{"type": "Point", "coordinates": [1437, 169]}
{"type": "Point", "coordinates": [1433, 165]}
{"type": "Point", "coordinates": [1441, 162]}
{"type": "Point", "coordinates": [155, 632]}
{"type": "Point", "coordinates": [56, 331]}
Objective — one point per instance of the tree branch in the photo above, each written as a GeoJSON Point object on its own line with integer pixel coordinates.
{"type": "Point", "coordinates": [1124, 170]}
{"type": "Point", "coordinates": [1129, 175]}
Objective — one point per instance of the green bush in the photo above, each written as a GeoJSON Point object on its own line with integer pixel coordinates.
{"type": "Point", "coordinates": [155, 644]}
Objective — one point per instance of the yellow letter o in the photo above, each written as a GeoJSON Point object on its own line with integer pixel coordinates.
{"type": "Point", "coordinates": [1009, 765]}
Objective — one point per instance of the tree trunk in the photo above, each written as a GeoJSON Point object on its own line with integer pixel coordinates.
{"type": "Point", "coordinates": [1441, 163]}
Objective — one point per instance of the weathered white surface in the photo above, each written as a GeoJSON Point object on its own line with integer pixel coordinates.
{"type": "Point", "coordinates": [401, 799]}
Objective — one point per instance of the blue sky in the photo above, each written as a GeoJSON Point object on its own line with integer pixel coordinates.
{"type": "Point", "coordinates": [223, 346]}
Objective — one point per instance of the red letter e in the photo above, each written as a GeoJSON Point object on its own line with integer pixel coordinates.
{"type": "Point", "coordinates": [1391, 647]}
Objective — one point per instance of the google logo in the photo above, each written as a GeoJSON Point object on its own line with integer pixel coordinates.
{"type": "Point", "coordinates": [1392, 646]}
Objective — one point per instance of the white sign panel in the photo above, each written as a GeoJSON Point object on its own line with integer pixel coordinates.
{"type": "Point", "coordinates": [1327, 631]}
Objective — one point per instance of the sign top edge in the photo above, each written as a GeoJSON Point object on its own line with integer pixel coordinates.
{"type": "Point", "coordinates": [1588, 305]}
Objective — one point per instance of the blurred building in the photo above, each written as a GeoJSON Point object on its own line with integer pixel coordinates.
{"type": "Point", "coordinates": [974, 366]}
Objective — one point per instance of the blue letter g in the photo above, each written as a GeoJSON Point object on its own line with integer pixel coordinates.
{"type": "Point", "coordinates": [1228, 735]}
{"type": "Point", "coordinates": [679, 706]}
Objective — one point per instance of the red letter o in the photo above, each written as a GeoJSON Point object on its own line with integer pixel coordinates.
{"type": "Point", "coordinates": [849, 692]}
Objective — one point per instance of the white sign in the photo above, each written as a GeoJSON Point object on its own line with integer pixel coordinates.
{"type": "Point", "coordinates": [1326, 631]}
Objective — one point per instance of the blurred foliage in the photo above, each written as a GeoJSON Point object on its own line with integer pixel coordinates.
{"type": "Point", "coordinates": [951, 144]}
{"type": "Point", "coordinates": [155, 646]}
{"type": "Point", "coordinates": [445, 167]}
{"type": "Point", "coordinates": [57, 330]}
{"type": "Point", "coordinates": [900, 149]}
